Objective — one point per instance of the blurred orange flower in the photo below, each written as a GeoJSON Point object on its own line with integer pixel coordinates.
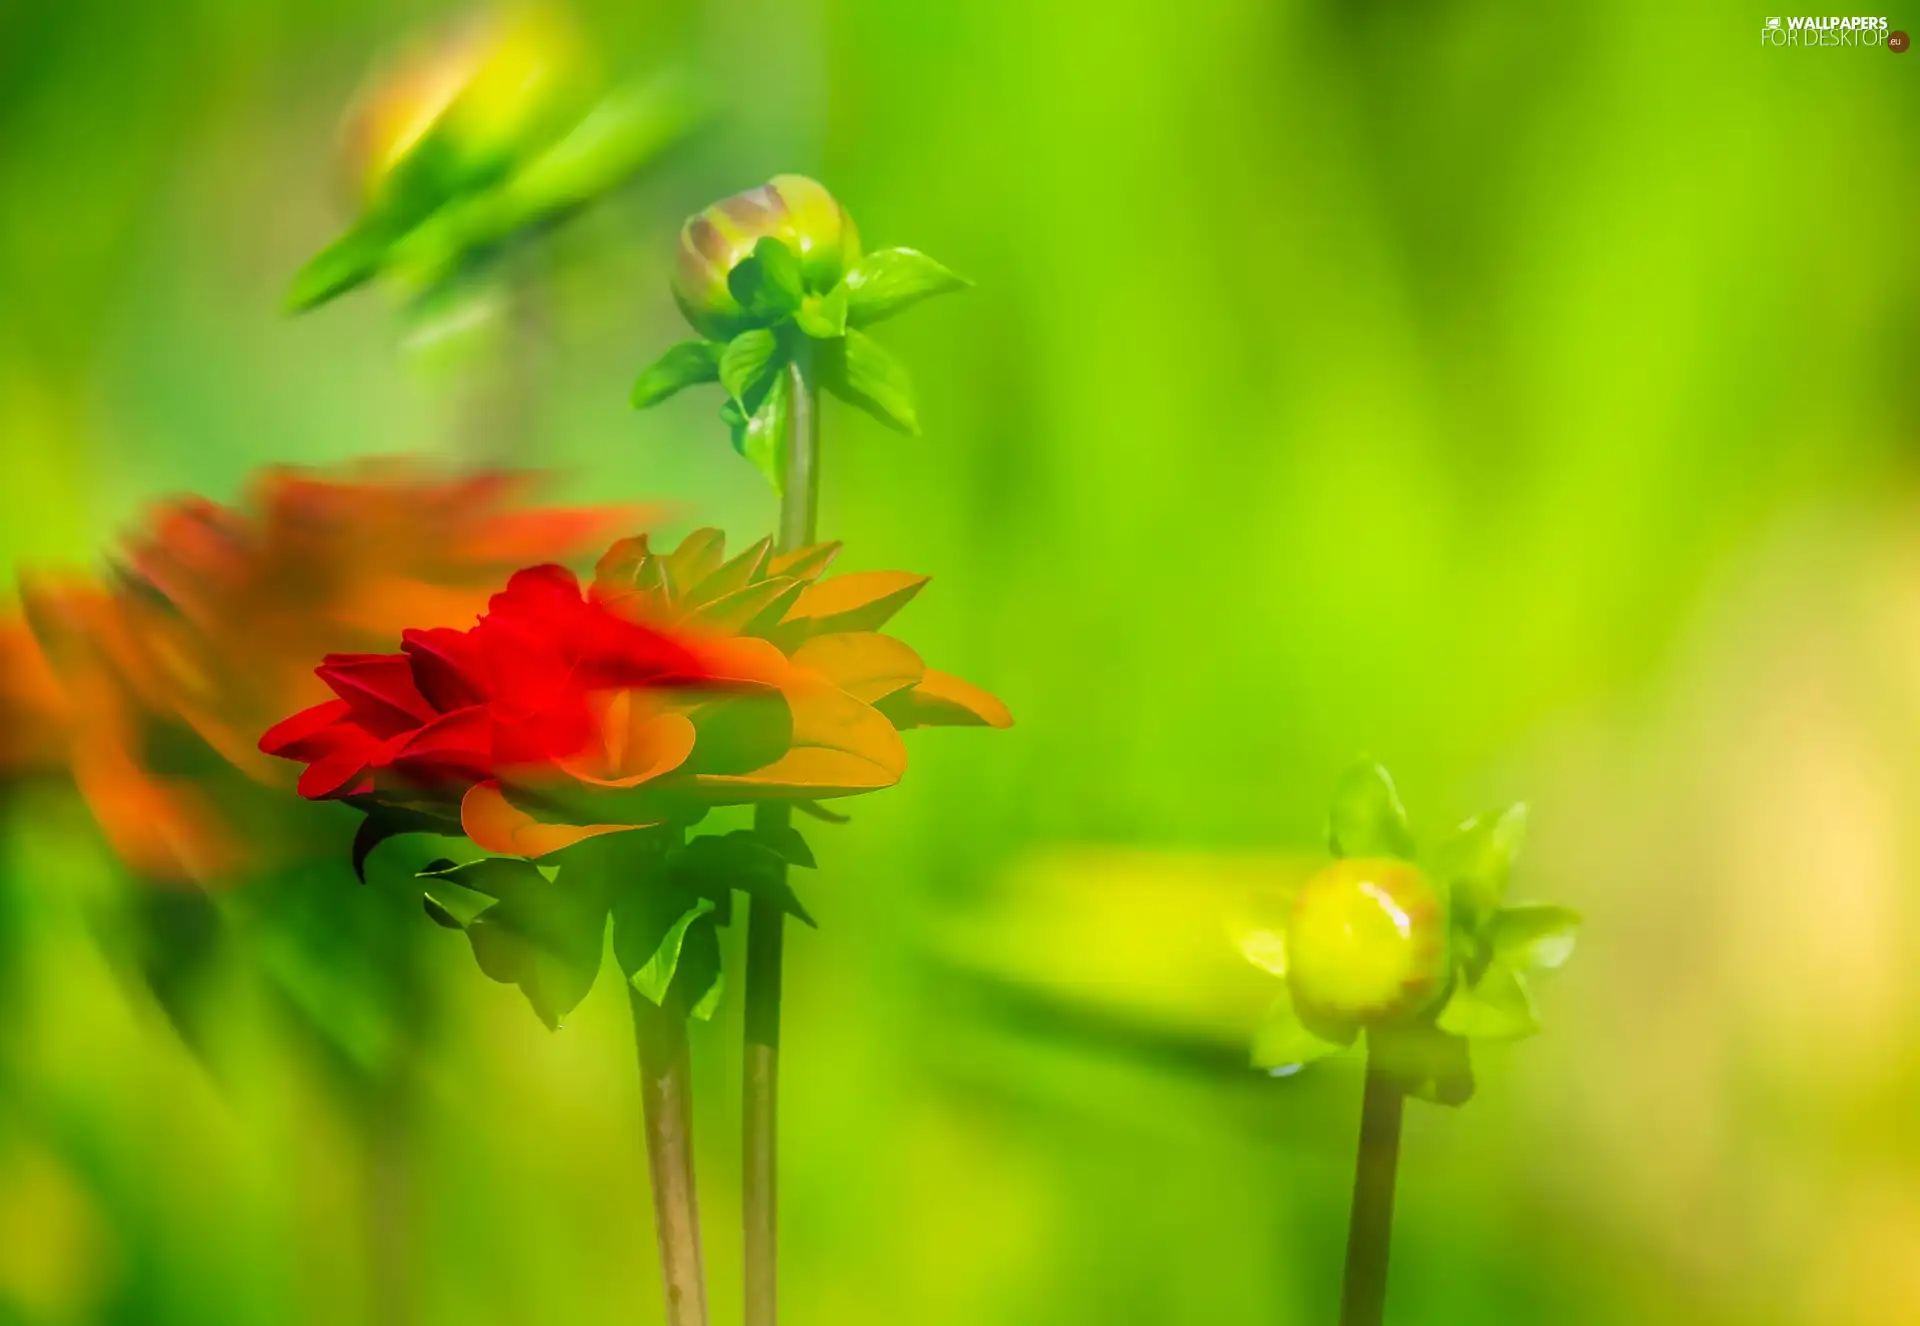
{"type": "Point", "coordinates": [207, 630]}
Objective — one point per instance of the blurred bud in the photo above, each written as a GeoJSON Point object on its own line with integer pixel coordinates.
{"type": "Point", "coordinates": [793, 209]}
{"type": "Point", "coordinates": [1366, 943]}
{"type": "Point", "coordinates": [463, 109]}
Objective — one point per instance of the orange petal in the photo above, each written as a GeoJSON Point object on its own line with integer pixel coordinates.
{"type": "Point", "coordinates": [761, 603]}
{"type": "Point", "coordinates": [698, 556]}
{"type": "Point", "coordinates": [944, 700]}
{"type": "Point", "coordinates": [733, 575]}
{"type": "Point", "coordinates": [859, 602]}
{"type": "Point", "coordinates": [497, 825]}
{"type": "Point", "coordinates": [651, 745]}
{"type": "Point", "coordinates": [804, 563]}
{"type": "Point", "coordinates": [865, 664]}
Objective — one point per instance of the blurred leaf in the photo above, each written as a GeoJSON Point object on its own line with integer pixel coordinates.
{"type": "Point", "coordinates": [1535, 936]}
{"type": "Point", "coordinates": [1367, 818]}
{"type": "Point", "coordinates": [348, 262]}
{"type": "Point", "coordinates": [861, 372]}
{"type": "Point", "coordinates": [889, 281]}
{"type": "Point", "coordinates": [744, 860]}
{"type": "Point", "coordinates": [768, 284]}
{"type": "Point", "coordinates": [1423, 1061]}
{"type": "Point", "coordinates": [746, 362]}
{"type": "Point", "coordinates": [624, 131]}
{"type": "Point", "coordinates": [650, 925]}
{"type": "Point", "coordinates": [685, 365]}
{"type": "Point", "coordinates": [1495, 1007]}
{"type": "Point", "coordinates": [823, 317]}
{"type": "Point", "coordinates": [1266, 948]}
{"type": "Point", "coordinates": [1284, 1041]}
{"type": "Point", "coordinates": [1477, 862]}
{"type": "Point", "coordinates": [788, 845]}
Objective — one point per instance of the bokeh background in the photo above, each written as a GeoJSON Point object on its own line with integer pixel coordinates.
{"type": "Point", "coordinates": [1525, 398]}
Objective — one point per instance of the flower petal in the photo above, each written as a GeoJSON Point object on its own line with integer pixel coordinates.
{"type": "Point", "coordinates": [497, 825]}
{"type": "Point", "coordinates": [862, 601]}
{"type": "Point", "coordinates": [865, 664]}
{"type": "Point", "coordinates": [944, 700]}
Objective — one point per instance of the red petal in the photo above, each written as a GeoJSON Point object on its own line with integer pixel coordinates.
{"type": "Point", "coordinates": [286, 737]}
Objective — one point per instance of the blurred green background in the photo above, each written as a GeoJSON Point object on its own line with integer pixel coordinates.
{"type": "Point", "coordinates": [1522, 396]}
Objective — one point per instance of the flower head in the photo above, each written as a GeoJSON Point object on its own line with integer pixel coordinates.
{"type": "Point", "coordinates": [775, 278]}
{"type": "Point", "coordinates": [792, 210]}
{"type": "Point", "coordinates": [1422, 958]}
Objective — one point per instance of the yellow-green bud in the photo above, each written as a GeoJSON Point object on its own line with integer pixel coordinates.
{"type": "Point", "coordinates": [791, 208]}
{"type": "Point", "coordinates": [1366, 942]}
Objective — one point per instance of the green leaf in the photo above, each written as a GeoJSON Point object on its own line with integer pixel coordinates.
{"type": "Point", "coordinates": [1496, 1007]}
{"type": "Point", "coordinates": [717, 864]}
{"type": "Point", "coordinates": [888, 281]}
{"type": "Point", "coordinates": [768, 284]}
{"type": "Point", "coordinates": [823, 317]}
{"type": "Point", "coordinates": [686, 364]}
{"type": "Point", "coordinates": [1477, 862]}
{"type": "Point", "coordinates": [350, 261]}
{"type": "Point", "coordinates": [1367, 818]}
{"type": "Point", "coordinates": [763, 440]}
{"type": "Point", "coordinates": [1283, 1041]}
{"type": "Point", "coordinates": [702, 977]}
{"type": "Point", "coordinates": [745, 364]}
{"type": "Point", "coordinates": [634, 930]}
{"type": "Point", "coordinates": [1423, 1061]}
{"type": "Point", "coordinates": [1535, 936]}
{"type": "Point", "coordinates": [623, 132]}
{"type": "Point", "coordinates": [543, 935]}
{"type": "Point", "coordinates": [861, 372]}
{"type": "Point", "coordinates": [786, 843]}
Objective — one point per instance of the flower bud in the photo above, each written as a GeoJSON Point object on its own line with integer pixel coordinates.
{"type": "Point", "coordinates": [1367, 942]}
{"type": "Point", "coordinates": [491, 91]}
{"type": "Point", "coordinates": [791, 208]}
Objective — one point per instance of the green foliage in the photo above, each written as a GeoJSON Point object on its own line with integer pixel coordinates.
{"type": "Point", "coordinates": [1367, 818]}
{"type": "Point", "coordinates": [749, 359]}
{"type": "Point", "coordinates": [685, 365]}
{"type": "Point", "coordinates": [890, 281]}
{"type": "Point", "coordinates": [1477, 862]}
{"type": "Point", "coordinates": [861, 372]}
{"type": "Point", "coordinates": [768, 284]}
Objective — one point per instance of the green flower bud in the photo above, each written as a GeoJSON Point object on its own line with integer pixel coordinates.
{"type": "Point", "coordinates": [1366, 943]}
{"type": "Point", "coordinates": [793, 209]}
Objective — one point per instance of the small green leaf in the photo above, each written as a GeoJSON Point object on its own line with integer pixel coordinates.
{"type": "Point", "coordinates": [1535, 936]}
{"type": "Point", "coordinates": [1496, 1007]}
{"type": "Point", "coordinates": [861, 372]}
{"type": "Point", "coordinates": [890, 280]}
{"type": "Point", "coordinates": [653, 977]}
{"type": "Point", "coordinates": [1367, 818]}
{"type": "Point", "coordinates": [686, 364]}
{"type": "Point", "coordinates": [702, 976]}
{"type": "Point", "coordinates": [717, 864]}
{"type": "Point", "coordinates": [746, 363]}
{"type": "Point", "coordinates": [1423, 1061]}
{"type": "Point", "coordinates": [350, 261]}
{"type": "Point", "coordinates": [764, 438]}
{"type": "Point", "coordinates": [768, 284]}
{"type": "Point", "coordinates": [1477, 862]}
{"type": "Point", "coordinates": [823, 317]}
{"type": "Point", "coordinates": [384, 822]}
{"type": "Point", "coordinates": [788, 845]}
{"type": "Point", "coordinates": [1283, 1041]}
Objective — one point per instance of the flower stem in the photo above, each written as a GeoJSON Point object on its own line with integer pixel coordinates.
{"type": "Point", "coordinates": [660, 1036]}
{"type": "Point", "coordinates": [799, 514]}
{"type": "Point", "coordinates": [1363, 1299]}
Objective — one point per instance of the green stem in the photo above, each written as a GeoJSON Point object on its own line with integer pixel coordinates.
{"type": "Point", "coordinates": [799, 514]}
{"type": "Point", "coordinates": [660, 1036]}
{"type": "Point", "coordinates": [1363, 1300]}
